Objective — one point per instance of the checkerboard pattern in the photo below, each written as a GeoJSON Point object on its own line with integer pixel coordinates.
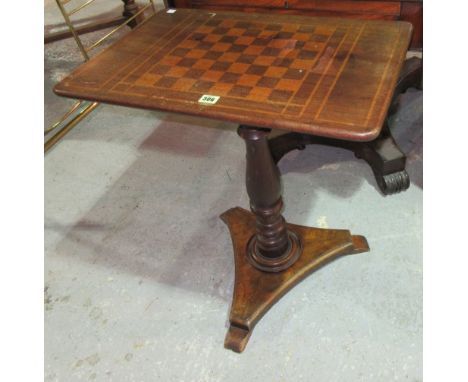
{"type": "Point", "coordinates": [248, 60]}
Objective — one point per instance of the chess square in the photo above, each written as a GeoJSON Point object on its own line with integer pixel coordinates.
{"type": "Point", "coordinates": [280, 95]}
{"type": "Point", "coordinates": [220, 30]}
{"type": "Point", "coordinates": [220, 47]}
{"type": "Point", "coordinates": [267, 82]}
{"type": "Point", "coordinates": [229, 78]}
{"type": "Point", "coordinates": [220, 66]}
{"type": "Point", "coordinates": [302, 36]}
{"type": "Point", "coordinates": [261, 41]}
{"type": "Point", "coordinates": [284, 84]}
{"type": "Point", "coordinates": [235, 32]}
{"type": "Point", "coordinates": [213, 38]}
{"type": "Point", "coordinates": [264, 60]}
{"type": "Point", "coordinates": [166, 82]}
{"type": "Point", "coordinates": [211, 75]}
{"type": "Point", "coordinates": [260, 94]}
{"type": "Point", "coordinates": [237, 48]}
{"type": "Point", "coordinates": [247, 58]}
{"type": "Point", "coordinates": [228, 39]}
{"type": "Point", "coordinates": [248, 80]}
{"type": "Point", "coordinates": [255, 50]}
{"type": "Point", "coordinates": [172, 60]}
{"type": "Point", "coordinates": [188, 44]}
{"type": "Point", "coordinates": [194, 73]}
{"type": "Point", "coordinates": [230, 57]}
{"type": "Point", "coordinates": [283, 62]}
{"type": "Point", "coordinates": [202, 86]}
{"type": "Point", "coordinates": [204, 45]}
{"type": "Point", "coordinates": [240, 91]}
{"type": "Point", "coordinates": [239, 68]}
{"type": "Point", "coordinates": [221, 89]}
{"type": "Point", "coordinates": [187, 62]}
{"type": "Point", "coordinates": [210, 55]}
{"type": "Point", "coordinates": [177, 71]}
{"type": "Point", "coordinates": [203, 64]}
{"type": "Point", "coordinates": [244, 40]}
{"type": "Point", "coordinates": [197, 36]}
{"type": "Point", "coordinates": [269, 51]}
{"type": "Point", "coordinates": [195, 53]}
{"type": "Point", "coordinates": [184, 84]}
{"type": "Point", "coordinates": [275, 71]}
{"type": "Point", "coordinates": [252, 32]}
{"type": "Point", "coordinates": [147, 79]}
{"type": "Point", "coordinates": [284, 35]}
{"type": "Point", "coordinates": [257, 69]}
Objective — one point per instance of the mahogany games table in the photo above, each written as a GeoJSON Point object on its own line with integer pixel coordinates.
{"type": "Point", "coordinates": [324, 77]}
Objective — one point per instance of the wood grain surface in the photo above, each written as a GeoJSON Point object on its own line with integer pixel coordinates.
{"type": "Point", "coordinates": [325, 76]}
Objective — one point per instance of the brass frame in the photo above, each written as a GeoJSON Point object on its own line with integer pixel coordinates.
{"type": "Point", "coordinates": [82, 108]}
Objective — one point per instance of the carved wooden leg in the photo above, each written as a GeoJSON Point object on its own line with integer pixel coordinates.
{"type": "Point", "coordinates": [271, 256]}
{"type": "Point", "coordinates": [387, 161]}
{"type": "Point", "coordinates": [383, 155]}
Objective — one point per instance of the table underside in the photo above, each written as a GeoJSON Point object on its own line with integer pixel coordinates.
{"type": "Point", "coordinates": [324, 76]}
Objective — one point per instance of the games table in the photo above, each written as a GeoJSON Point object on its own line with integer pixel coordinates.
{"type": "Point", "coordinates": [311, 77]}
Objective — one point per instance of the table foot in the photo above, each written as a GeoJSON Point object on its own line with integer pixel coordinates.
{"type": "Point", "coordinates": [386, 160]}
{"type": "Point", "coordinates": [383, 155]}
{"type": "Point", "coordinates": [256, 291]}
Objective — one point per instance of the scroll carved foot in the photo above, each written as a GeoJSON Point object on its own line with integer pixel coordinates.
{"type": "Point", "coordinates": [387, 161]}
{"type": "Point", "coordinates": [256, 291]}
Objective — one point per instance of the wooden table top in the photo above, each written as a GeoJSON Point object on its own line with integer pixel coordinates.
{"type": "Point", "coordinates": [324, 76]}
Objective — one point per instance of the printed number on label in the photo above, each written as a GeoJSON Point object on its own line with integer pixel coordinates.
{"type": "Point", "coordinates": [208, 99]}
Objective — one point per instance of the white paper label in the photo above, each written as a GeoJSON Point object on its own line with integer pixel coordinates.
{"type": "Point", "coordinates": [208, 99]}
{"type": "Point", "coordinates": [171, 10]}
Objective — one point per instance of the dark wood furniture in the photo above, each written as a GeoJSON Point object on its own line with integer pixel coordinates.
{"type": "Point", "coordinates": [405, 10]}
{"type": "Point", "coordinates": [329, 77]}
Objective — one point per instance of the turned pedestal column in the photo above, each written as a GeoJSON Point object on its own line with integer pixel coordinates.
{"type": "Point", "coordinates": [271, 255]}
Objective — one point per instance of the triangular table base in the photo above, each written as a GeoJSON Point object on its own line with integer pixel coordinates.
{"type": "Point", "coordinates": [256, 291]}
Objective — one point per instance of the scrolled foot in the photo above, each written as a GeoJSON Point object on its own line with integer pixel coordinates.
{"type": "Point", "coordinates": [394, 183]}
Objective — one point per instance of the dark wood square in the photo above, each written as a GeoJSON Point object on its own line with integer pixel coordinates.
{"type": "Point", "coordinates": [257, 69]}
{"type": "Point", "coordinates": [280, 95]}
{"type": "Point", "coordinates": [240, 91]}
{"type": "Point", "coordinates": [187, 62]}
{"type": "Point", "coordinates": [202, 86]}
{"type": "Point", "coordinates": [268, 82]}
{"type": "Point", "coordinates": [230, 78]}
{"type": "Point", "coordinates": [166, 82]}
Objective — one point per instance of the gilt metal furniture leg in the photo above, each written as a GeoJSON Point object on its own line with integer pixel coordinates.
{"type": "Point", "coordinates": [271, 255]}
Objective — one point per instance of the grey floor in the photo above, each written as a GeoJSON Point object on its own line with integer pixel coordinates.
{"type": "Point", "coordinates": [139, 268]}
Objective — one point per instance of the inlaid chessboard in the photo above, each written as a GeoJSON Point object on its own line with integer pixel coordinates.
{"type": "Point", "coordinates": [324, 76]}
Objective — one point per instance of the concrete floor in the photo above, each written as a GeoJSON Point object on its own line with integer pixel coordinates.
{"type": "Point", "coordinates": [139, 269]}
